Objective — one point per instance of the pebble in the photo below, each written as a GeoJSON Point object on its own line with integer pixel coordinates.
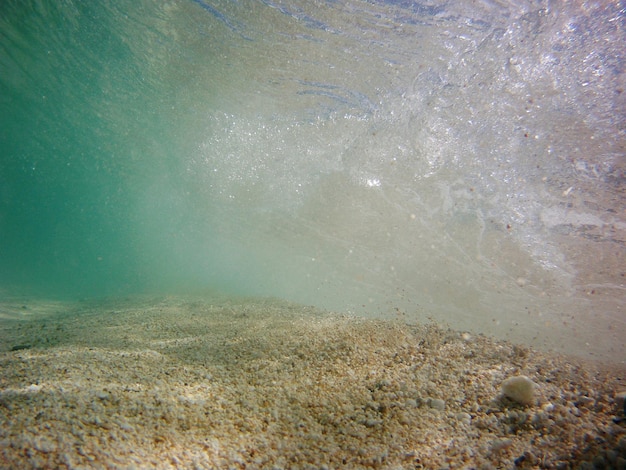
{"type": "Point", "coordinates": [436, 404]}
{"type": "Point", "coordinates": [520, 389]}
{"type": "Point", "coordinates": [411, 403]}
{"type": "Point", "coordinates": [620, 399]}
{"type": "Point", "coordinates": [44, 445]}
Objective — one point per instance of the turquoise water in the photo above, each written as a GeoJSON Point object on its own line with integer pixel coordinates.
{"type": "Point", "coordinates": [464, 161]}
{"type": "Point", "coordinates": [89, 125]}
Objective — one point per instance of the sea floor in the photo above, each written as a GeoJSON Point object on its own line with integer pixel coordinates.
{"type": "Point", "coordinates": [223, 383]}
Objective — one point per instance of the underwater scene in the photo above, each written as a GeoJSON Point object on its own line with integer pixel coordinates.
{"type": "Point", "coordinates": [266, 234]}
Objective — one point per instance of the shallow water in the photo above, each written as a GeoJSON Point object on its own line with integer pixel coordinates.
{"type": "Point", "coordinates": [461, 161]}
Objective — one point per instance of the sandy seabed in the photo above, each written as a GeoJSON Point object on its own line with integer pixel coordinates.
{"type": "Point", "coordinates": [223, 383]}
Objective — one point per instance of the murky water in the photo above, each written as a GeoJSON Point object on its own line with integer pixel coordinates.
{"type": "Point", "coordinates": [460, 160]}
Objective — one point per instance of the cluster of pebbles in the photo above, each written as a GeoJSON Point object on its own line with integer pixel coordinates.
{"type": "Point", "coordinates": [234, 384]}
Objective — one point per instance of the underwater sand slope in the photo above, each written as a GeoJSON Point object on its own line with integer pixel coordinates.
{"type": "Point", "coordinates": [231, 383]}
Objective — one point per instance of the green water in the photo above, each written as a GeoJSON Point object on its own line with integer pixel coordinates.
{"type": "Point", "coordinates": [104, 107]}
{"type": "Point", "coordinates": [92, 118]}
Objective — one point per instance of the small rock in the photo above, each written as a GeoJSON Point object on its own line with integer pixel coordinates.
{"type": "Point", "coordinates": [498, 445]}
{"type": "Point", "coordinates": [410, 403]}
{"type": "Point", "coordinates": [436, 404]}
{"type": "Point", "coordinates": [520, 389]}
{"type": "Point", "coordinates": [620, 399]}
{"type": "Point", "coordinates": [44, 445]}
{"type": "Point", "coordinates": [463, 417]}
